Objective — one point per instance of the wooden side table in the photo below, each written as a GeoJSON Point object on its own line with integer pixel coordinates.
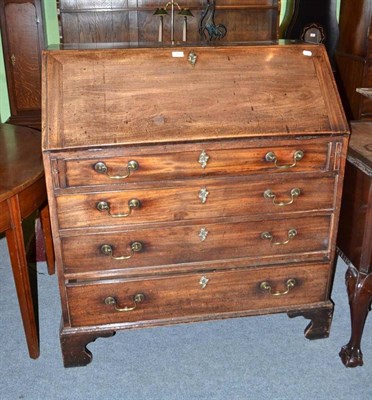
{"type": "Point", "coordinates": [355, 235]}
{"type": "Point", "coordinates": [22, 192]}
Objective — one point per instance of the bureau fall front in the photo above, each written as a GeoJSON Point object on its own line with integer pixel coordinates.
{"type": "Point", "coordinates": [191, 183]}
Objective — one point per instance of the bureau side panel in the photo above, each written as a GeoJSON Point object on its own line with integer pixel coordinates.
{"type": "Point", "coordinates": [50, 175]}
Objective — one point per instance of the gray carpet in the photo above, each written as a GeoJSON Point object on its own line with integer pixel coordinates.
{"type": "Point", "coordinates": [254, 358]}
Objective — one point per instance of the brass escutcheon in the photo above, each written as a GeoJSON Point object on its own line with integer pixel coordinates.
{"type": "Point", "coordinates": [203, 233]}
{"type": "Point", "coordinates": [138, 298]}
{"type": "Point", "coordinates": [203, 282]}
{"type": "Point", "coordinates": [101, 168]}
{"type": "Point", "coordinates": [192, 57]}
{"type": "Point", "coordinates": [203, 194]}
{"type": "Point", "coordinates": [203, 159]}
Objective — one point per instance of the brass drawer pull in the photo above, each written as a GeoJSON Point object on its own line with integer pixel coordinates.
{"type": "Point", "coordinates": [138, 298]}
{"type": "Point", "coordinates": [290, 284]}
{"type": "Point", "coordinates": [269, 194]}
{"type": "Point", "coordinates": [102, 168]}
{"type": "Point", "coordinates": [105, 206]}
{"type": "Point", "coordinates": [271, 157]}
{"type": "Point", "coordinates": [267, 235]}
{"type": "Point", "coordinates": [135, 247]}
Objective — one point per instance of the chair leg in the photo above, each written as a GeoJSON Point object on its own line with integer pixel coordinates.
{"type": "Point", "coordinates": [18, 260]}
{"type": "Point", "coordinates": [46, 228]}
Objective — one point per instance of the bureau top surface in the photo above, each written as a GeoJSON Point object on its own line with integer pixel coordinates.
{"type": "Point", "coordinates": [105, 97]}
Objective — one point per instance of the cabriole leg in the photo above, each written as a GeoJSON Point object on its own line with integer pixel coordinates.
{"type": "Point", "coordinates": [359, 287]}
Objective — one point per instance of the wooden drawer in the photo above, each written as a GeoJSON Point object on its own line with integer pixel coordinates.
{"type": "Point", "coordinates": [175, 162]}
{"type": "Point", "coordinates": [196, 199]}
{"type": "Point", "coordinates": [184, 244]}
{"type": "Point", "coordinates": [183, 296]}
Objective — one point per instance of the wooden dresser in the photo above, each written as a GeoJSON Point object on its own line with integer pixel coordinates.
{"type": "Point", "coordinates": [313, 21]}
{"type": "Point", "coordinates": [191, 183]}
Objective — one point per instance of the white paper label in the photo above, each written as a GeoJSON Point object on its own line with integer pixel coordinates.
{"type": "Point", "coordinates": [178, 54]}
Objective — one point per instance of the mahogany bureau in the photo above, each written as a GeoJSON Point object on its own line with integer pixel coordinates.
{"type": "Point", "coordinates": [191, 183]}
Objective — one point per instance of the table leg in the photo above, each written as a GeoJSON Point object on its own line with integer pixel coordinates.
{"type": "Point", "coordinates": [18, 260]}
{"type": "Point", "coordinates": [47, 232]}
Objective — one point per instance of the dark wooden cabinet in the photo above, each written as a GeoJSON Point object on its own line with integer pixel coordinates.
{"type": "Point", "coordinates": [95, 21]}
{"type": "Point", "coordinates": [354, 57]}
{"type": "Point", "coordinates": [191, 183]}
{"type": "Point", "coordinates": [313, 21]}
{"type": "Point", "coordinates": [22, 35]}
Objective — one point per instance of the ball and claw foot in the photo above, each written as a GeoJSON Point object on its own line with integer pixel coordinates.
{"type": "Point", "coordinates": [351, 356]}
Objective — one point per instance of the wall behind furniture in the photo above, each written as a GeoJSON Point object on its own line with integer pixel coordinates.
{"type": "Point", "coordinates": [4, 102]}
{"type": "Point", "coordinates": [52, 37]}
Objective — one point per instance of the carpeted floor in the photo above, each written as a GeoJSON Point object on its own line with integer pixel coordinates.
{"type": "Point", "coordinates": [255, 358]}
